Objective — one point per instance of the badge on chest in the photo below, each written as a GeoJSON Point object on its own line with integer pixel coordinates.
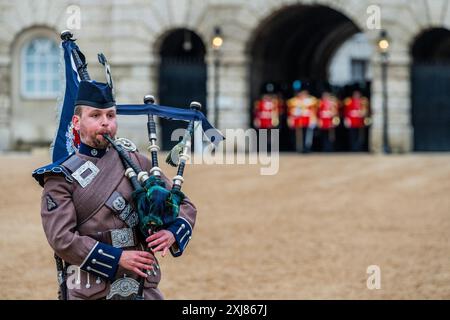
{"type": "Point", "coordinates": [85, 174]}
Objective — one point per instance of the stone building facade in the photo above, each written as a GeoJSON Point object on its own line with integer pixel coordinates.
{"type": "Point", "coordinates": [131, 33]}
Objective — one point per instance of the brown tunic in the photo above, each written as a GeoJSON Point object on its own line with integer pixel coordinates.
{"type": "Point", "coordinates": [79, 220]}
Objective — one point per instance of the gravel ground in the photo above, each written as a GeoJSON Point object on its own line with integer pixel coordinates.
{"type": "Point", "coordinates": [308, 232]}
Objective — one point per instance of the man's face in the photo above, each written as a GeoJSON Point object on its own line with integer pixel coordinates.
{"type": "Point", "coordinates": [93, 123]}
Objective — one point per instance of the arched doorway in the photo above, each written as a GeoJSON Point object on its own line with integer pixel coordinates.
{"type": "Point", "coordinates": [182, 77]}
{"type": "Point", "coordinates": [430, 95]}
{"type": "Point", "coordinates": [298, 43]}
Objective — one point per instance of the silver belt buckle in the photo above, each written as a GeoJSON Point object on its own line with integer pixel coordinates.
{"type": "Point", "coordinates": [121, 238]}
{"type": "Point", "coordinates": [78, 174]}
{"type": "Point", "coordinates": [123, 289]}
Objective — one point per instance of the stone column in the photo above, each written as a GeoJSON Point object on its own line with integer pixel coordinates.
{"type": "Point", "coordinates": [132, 66]}
{"type": "Point", "coordinates": [399, 104]}
{"type": "Point", "coordinates": [5, 108]}
{"type": "Point", "coordinates": [233, 97]}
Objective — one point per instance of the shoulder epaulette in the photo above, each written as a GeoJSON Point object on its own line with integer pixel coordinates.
{"type": "Point", "coordinates": [52, 168]}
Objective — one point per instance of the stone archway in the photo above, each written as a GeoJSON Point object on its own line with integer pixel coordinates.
{"type": "Point", "coordinates": [296, 42]}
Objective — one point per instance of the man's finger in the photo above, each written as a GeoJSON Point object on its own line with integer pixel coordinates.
{"type": "Point", "coordinates": [146, 254]}
{"type": "Point", "coordinates": [140, 273]}
{"type": "Point", "coordinates": [160, 247]}
{"type": "Point", "coordinates": [154, 237]}
{"type": "Point", "coordinates": [143, 266]}
{"type": "Point", "coordinates": [156, 242]}
{"type": "Point", "coordinates": [145, 260]}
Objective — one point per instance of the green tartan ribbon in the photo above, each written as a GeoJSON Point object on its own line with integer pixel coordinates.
{"type": "Point", "coordinates": [157, 207]}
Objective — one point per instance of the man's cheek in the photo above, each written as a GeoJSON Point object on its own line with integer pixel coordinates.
{"type": "Point", "coordinates": [114, 130]}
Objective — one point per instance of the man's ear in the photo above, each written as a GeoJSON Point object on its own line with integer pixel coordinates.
{"type": "Point", "coordinates": [76, 122]}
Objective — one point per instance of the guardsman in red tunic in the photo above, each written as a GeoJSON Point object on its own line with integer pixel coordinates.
{"type": "Point", "coordinates": [267, 111]}
{"type": "Point", "coordinates": [356, 111]}
{"type": "Point", "coordinates": [328, 120]}
{"type": "Point", "coordinates": [302, 116]}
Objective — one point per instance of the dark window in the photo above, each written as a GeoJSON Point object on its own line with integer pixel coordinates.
{"type": "Point", "coordinates": [359, 70]}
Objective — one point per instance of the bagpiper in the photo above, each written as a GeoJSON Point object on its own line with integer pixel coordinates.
{"type": "Point", "coordinates": [89, 210]}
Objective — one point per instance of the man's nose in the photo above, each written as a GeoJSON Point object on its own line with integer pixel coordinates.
{"type": "Point", "coordinates": [104, 121]}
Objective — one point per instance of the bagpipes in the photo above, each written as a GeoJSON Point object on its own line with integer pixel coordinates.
{"type": "Point", "coordinates": [157, 207]}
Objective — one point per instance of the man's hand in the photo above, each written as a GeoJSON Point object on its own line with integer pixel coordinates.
{"type": "Point", "coordinates": [136, 261]}
{"type": "Point", "coordinates": [161, 241]}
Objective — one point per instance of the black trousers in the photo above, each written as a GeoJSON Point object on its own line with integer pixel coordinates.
{"type": "Point", "coordinates": [327, 140]}
{"type": "Point", "coordinates": [356, 137]}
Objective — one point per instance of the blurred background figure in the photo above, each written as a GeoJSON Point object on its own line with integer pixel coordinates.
{"type": "Point", "coordinates": [302, 116]}
{"type": "Point", "coordinates": [356, 118]}
{"type": "Point", "coordinates": [266, 112]}
{"type": "Point", "coordinates": [328, 120]}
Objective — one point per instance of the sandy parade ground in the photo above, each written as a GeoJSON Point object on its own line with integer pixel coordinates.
{"type": "Point", "coordinates": [309, 232]}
